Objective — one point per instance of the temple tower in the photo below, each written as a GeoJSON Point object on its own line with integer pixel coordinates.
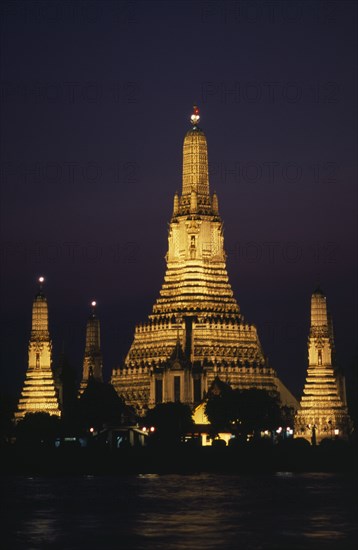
{"type": "Point", "coordinates": [39, 393]}
{"type": "Point", "coordinates": [195, 331]}
{"type": "Point", "coordinates": [92, 361]}
{"type": "Point", "coordinates": [323, 407]}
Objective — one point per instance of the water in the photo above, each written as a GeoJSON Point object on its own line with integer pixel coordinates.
{"type": "Point", "coordinates": [211, 511]}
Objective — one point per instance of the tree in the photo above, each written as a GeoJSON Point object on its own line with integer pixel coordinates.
{"type": "Point", "coordinates": [38, 428]}
{"type": "Point", "coordinates": [66, 378]}
{"type": "Point", "coordinates": [257, 410]}
{"type": "Point", "coordinates": [99, 405]}
{"type": "Point", "coordinates": [287, 416]}
{"type": "Point", "coordinates": [220, 406]}
{"type": "Point", "coordinates": [242, 411]}
{"type": "Point", "coordinates": [170, 420]}
{"type": "Point", "coordinates": [7, 406]}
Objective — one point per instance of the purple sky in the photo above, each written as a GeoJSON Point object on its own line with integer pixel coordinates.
{"type": "Point", "coordinates": [96, 99]}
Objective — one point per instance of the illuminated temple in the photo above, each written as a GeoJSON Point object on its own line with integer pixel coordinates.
{"type": "Point", "coordinates": [92, 361]}
{"type": "Point", "coordinates": [196, 331]}
{"type": "Point", "coordinates": [323, 408]}
{"type": "Point", "coordinates": [39, 392]}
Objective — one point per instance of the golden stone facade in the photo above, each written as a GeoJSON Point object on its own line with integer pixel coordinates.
{"type": "Point", "coordinates": [39, 392]}
{"type": "Point", "coordinates": [195, 331]}
{"type": "Point", "coordinates": [92, 361]}
{"type": "Point", "coordinates": [323, 408]}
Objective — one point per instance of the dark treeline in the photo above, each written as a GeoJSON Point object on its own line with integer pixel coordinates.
{"type": "Point", "coordinates": [45, 444]}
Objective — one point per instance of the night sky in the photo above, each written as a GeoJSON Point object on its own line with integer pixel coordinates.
{"type": "Point", "coordinates": [96, 99]}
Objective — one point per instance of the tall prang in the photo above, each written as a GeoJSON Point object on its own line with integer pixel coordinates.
{"type": "Point", "coordinates": [195, 331]}
{"type": "Point", "coordinates": [92, 361]}
{"type": "Point", "coordinates": [323, 408]}
{"type": "Point", "coordinates": [39, 392]}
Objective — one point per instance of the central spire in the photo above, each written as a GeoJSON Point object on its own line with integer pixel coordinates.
{"type": "Point", "coordinates": [319, 318]}
{"type": "Point", "coordinates": [195, 332]}
{"type": "Point", "coordinates": [195, 159]}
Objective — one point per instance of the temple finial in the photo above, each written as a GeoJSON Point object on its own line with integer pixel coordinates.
{"type": "Point", "coordinates": [195, 117]}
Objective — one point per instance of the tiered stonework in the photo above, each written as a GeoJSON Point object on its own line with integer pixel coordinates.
{"type": "Point", "coordinates": [323, 408]}
{"type": "Point", "coordinates": [39, 393]}
{"type": "Point", "coordinates": [92, 362]}
{"type": "Point", "coordinates": [196, 331]}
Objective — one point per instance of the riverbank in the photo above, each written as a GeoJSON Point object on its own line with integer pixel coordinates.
{"type": "Point", "coordinates": [178, 459]}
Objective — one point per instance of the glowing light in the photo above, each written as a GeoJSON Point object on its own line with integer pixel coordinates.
{"type": "Point", "coordinates": [41, 279]}
{"type": "Point", "coordinates": [195, 117]}
{"type": "Point", "coordinates": [91, 430]}
{"type": "Point", "coordinates": [93, 304]}
{"type": "Point", "coordinates": [336, 431]}
{"type": "Point", "coordinates": [144, 429]}
{"type": "Point", "coordinates": [152, 429]}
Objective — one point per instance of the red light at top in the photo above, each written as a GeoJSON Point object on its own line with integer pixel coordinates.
{"type": "Point", "coordinates": [195, 117]}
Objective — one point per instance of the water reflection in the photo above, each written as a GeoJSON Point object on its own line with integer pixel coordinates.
{"type": "Point", "coordinates": [41, 529]}
{"type": "Point", "coordinates": [174, 512]}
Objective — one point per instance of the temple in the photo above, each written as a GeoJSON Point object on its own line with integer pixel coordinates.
{"type": "Point", "coordinates": [92, 362]}
{"type": "Point", "coordinates": [196, 331]}
{"type": "Point", "coordinates": [323, 408]}
{"type": "Point", "coordinates": [39, 392]}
